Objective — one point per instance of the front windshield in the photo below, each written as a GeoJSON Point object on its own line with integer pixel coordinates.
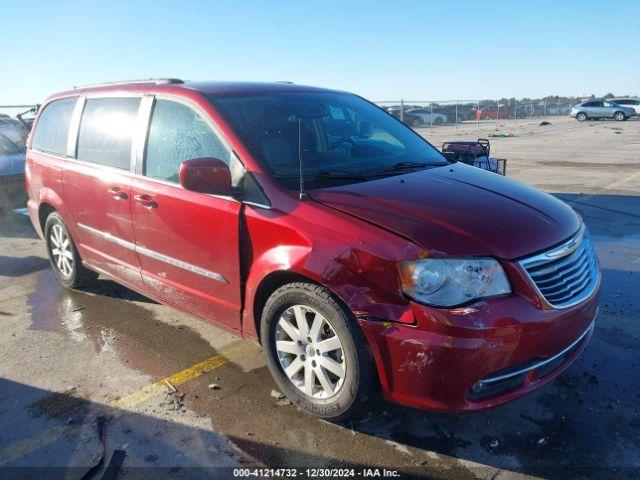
{"type": "Point", "coordinates": [344, 138]}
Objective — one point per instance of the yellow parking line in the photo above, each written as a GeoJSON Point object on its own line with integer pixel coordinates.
{"type": "Point", "coordinates": [160, 387]}
{"type": "Point", "coordinates": [611, 186]}
{"type": "Point", "coordinates": [22, 447]}
{"type": "Point", "coordinates": [46, 437]}
{"type": "Point", "coordinates": [618, 183]}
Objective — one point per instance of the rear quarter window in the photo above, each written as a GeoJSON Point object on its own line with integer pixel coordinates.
{"type": "Point", "coordinates": [52, 129]}
{"type": "Point", "coordinates": [106, 131]}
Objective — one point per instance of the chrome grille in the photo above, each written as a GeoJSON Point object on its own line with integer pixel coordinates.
{"type": "Point", "coordinates": [567, 274]}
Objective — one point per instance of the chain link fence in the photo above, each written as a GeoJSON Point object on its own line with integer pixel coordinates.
{"type": "Point", "coordinates": [435, 113]}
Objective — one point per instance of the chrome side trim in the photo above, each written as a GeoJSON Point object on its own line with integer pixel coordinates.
{"type": "Point", "coordinates": [180, 264]}
{"type": "Point", "coordinates": [152, 254]}
{"type": "Point", "coordinates": [537, 364]}
{"type": "Point", "coordinates": [107, 236]}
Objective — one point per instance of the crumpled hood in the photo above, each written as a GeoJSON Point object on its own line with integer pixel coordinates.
{"type": "Point", "coordinates": [458, 210]}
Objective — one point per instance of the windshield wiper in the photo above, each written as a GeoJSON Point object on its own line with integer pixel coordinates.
{"type": "Point", "coordinates": [398, 167]}
{"type": "Point", "coordinates": [325, 176]}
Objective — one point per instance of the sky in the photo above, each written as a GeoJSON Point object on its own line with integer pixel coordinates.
{"type": "Point", "coordinates": [382, 50]}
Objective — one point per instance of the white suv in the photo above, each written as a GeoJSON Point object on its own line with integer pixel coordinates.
{"type": "Point", "coordinates": [628, 102]}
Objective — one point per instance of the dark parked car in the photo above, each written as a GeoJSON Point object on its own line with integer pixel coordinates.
{"type": "Point", "coordinates": [12, 181]}
{"type": "Point", "coordinates": [314, 222]}
{"type": "Point", "coordinates": [14, 130]}
{"type": "Point", "coordinates": [596, 109]}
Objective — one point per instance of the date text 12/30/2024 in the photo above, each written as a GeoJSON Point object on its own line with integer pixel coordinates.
{"type": "Point", "coordinates": [315, 473]}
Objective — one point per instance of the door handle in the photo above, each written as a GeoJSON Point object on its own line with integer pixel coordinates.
{"type": "Point", "coordinates": [117, 194]}
{"type": "Point", "coordinates": [146, 201]}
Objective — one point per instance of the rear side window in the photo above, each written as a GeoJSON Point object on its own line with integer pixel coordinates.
{"type": "Point", "coordinates": [106, 131]}
{"type": "Point", "coordinates": [52, 129]}
{"type": "Point", "coordinates": [178, 133]}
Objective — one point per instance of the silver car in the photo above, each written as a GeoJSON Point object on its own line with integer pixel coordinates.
{"type": "Point", "coordinates": [595, 109]}
{"type": "Point", "coordinates": [12, 179]}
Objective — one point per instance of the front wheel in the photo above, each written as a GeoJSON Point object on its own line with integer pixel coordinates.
{"type": "Point", "coordinates": [581, 117]}
{"type": "Point", "coordinates": [316, 351]}
{"type": "Point", "coordinates": [619, 116]}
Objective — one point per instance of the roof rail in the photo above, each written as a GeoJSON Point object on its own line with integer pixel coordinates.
{"type": "Point", "coordinates": [156, 81]}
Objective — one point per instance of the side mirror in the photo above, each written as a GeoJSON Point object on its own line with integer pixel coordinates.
{"type": "Point", "coordinates": [206, 175]}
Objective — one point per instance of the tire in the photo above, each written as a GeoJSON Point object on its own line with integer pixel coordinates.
{"type": "Point", "coordinates": [581, 117]}
{"type": "Point", "coordinates": [619, 116]}
{"type": "Point", "coordinates": [332, 396]}
{"type": "Point", "coordinates": [63, 255]}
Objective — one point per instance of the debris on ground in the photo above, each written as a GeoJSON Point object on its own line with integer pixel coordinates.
{"type": "Point", "coordinates": [502, 135]}
{"type": "Point", "coordinates": [111, 472]}
{"type": "Point", "coordinates": [174, 402]}
{"type": "Point", "coordinates": [494, 443]}
{"type": "Point", "coordinates": [544, 124]}
{"type": "Point", "coordinates": [214, 386]}
{"type": "Point", "coordinates": [277, 395]}
{"type": "Point", "coordinates": [542, 441]}
{"type": "Point", "coordinates": [99, 426]}
{"type": "Point", "coordinates": [284, 402]}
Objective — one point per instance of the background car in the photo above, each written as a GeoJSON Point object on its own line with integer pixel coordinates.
{"type": "Point", "coordinates": [493, 113]}
{"type": "Point", "coordinates": [595, 109]}
{"type": "Point", "coordinates": [12, 179]}
{"type": "Point", "coordinates": [14, 130]}
{"type": "Point", "coordinates": [407, 118]}
{"type": "Point", "coordinates": [427, 116]}
{"type": "Point", "coordinates": [628, 102]}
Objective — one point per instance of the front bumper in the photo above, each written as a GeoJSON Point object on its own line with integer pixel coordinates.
{"type": "Point", "coordinates": [477, 357]}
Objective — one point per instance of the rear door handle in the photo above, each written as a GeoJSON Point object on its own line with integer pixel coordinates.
{"type": "Point", "coordinates": [117, 194]}
{"type": "Point", "coordinates": [146, 201]}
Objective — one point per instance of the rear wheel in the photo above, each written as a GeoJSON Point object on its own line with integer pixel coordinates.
{"type": "Point", "coordinates": [63, 254]}
{"type": "Point", "coordinates": [581, 117]}
{"type": "Point", "coordinates": [316, 351]}
{"type": "Point", "coordinates": [619, 116]}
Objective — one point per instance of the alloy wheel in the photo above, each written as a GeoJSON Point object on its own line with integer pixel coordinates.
{"type": "Point", "coordinates": [61, 250]}
{"type": "Point", "coordinates": [310, 352]}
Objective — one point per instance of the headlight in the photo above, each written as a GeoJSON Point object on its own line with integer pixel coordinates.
{"type": "Point", "coordinates": [450, 282]}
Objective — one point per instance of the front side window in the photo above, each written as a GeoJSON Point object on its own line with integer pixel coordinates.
{"type": "Point", "coordinates": [342, 138]}
{"type": "Point", "coordinates": [106, 131]}
{"type": "Point", "coordinates": [178, 133]}
{"type": "Point", "coordinates": [52, 129]}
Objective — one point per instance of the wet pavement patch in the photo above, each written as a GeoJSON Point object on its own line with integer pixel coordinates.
{"type": "Point", "coordinates": [67, 406]}
{"type": "Point", "coordinates": [113, 319]}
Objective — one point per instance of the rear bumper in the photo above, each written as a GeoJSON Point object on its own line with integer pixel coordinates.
{"type": "Point", "coordinates": [477, 357]}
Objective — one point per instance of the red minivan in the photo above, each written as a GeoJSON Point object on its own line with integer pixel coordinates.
{"type": "Point", "coordinates": [315, 222]}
